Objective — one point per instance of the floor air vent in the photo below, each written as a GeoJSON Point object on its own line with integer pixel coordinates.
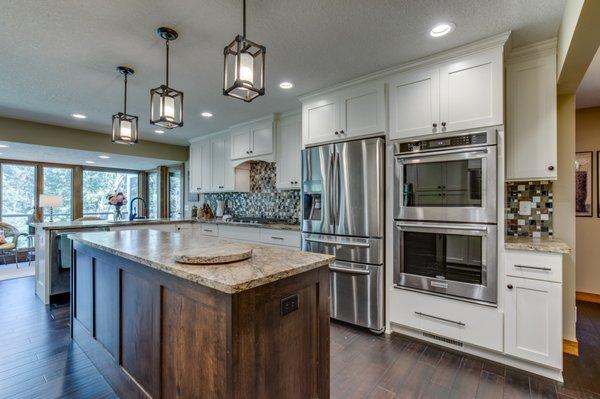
{"type": "Point", "coordinates": [446, 340]}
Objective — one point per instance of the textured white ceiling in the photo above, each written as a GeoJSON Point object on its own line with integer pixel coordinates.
{"type": "Point", "coordinates": [59, 57]}
{"type": "Point", "coordinates": [41, 153]}
{"type": "Point", "coordinates": [588, 92]}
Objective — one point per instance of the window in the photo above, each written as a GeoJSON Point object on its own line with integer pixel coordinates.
{"type": "Point", "coordinates": [98, 184]}
{"type": "Point", "coordinates": [18, 194]}
{"type": "Point", "coordinates": [175, 194]}
{"type": "Point", "coordinates": [59, 181]}
{"type": "Point", "coordinates": [152, 195]}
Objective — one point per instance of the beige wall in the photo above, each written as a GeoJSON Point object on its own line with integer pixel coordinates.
{"type": "Point", "coordinates": [588, 229]}
{"type": "Point", "coordinates": [564, 207]}
{"type": "Point", "coordinates": [19, 131]}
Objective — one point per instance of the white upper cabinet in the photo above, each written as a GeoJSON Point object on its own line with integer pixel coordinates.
{"type": "Point", "coordinates": [252, 140]}
{"type": "Point", "coordinates": [211, 169]}
{"type": "Point", "coordinates": [414, 103]}
{"type": "Point", "coordinates": [353, 112]}
{"type": "Point", "coordinates": [195, 167]}
{"type": "Point", "coordinates": [289, 147]}
{"type": "Point", "coordinates": [531, 130]}
{"type": "Point", "coordinates": [472, 91]}
{"type": "Point", "coordinates": [464, 93]}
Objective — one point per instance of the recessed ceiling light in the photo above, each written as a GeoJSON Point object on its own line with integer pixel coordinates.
{"type": "Point", "coordinates": [159, 131]}
{"type": "Point", "coordinates": [442, 29]}
{"type": "Point", "coordinates": [103, 156]}
{"type": "Point", "coordinates": [90, 162]}
{"type": "Point", "coordinates": [206, 114]}
{"type": "Point", "coordinates": [3, 146]}
{"type": "Point", "coordinates": [78, 116]}
{"type": "Point", "coordinates": [286, 85]}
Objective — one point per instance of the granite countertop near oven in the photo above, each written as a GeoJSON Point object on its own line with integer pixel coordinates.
{"type": "Point", "coordinates": [157, 250]}
{"type": "Point", "coordinates": [268, 225]}
{"type": "Point", "coordinates": [544, 244]}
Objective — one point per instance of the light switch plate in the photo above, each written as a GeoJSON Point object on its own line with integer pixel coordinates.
{"type": "Point", "coordinates": [525, 208]}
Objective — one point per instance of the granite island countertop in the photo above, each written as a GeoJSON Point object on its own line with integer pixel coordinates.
{"type": "Point", "coordinates": [82, 224]}
{"type": "Point", "coordinates": [156, 249]}
{"type": "Point", "coordinates": [544, 244]}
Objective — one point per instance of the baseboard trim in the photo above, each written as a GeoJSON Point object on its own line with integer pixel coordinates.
{"type": "Point", "coordinates": [587, 297]}
{"type": "Point", "coordinates": [571, 347]}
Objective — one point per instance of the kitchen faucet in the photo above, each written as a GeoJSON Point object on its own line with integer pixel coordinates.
{"type": "Point", "coordinates": [133, 215]}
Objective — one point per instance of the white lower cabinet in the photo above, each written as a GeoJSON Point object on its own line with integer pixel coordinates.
{"type": "Point", "coordinates": [533, 307]}
{"type": "Point", "coordinates": [285, 238]}
{"type": "Point", "coordinates": [263, 235]}
{"type": "Point", "coordinates": [478, 325]}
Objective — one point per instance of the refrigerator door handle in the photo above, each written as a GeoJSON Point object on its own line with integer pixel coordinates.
{"type": "Point", "coordinates": [336, 181]}
{"type": "Point", "coordinates": [348, 270]}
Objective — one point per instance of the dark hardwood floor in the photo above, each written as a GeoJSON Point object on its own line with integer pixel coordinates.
{"type": "Point", "coordinates": [38, 360]}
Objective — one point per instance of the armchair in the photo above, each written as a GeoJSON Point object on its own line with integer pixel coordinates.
{"type": "Point", "coordinates": [16, 242]}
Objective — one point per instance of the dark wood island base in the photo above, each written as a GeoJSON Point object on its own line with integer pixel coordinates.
{"type": "Point", "coordinates": [153, 334]}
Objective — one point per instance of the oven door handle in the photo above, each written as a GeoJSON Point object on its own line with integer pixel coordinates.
{"type": "Point", "coordinates": [475, 150]}
{"type": "Point", "coordinates": [444, 226]}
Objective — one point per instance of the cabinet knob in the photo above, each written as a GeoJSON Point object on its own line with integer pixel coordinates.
{"type": "Point", "coordinates": [341, 132]}
{"type": "Point", "coordinates": [336, 133]}
{"type": "Point", "coordinates": [550, 167]}
{"type": "Point", "coordinates": [509, 286]}
{"type": "Point", "coordinates": [251, 152]}
{"type": "Point", "coordinates": [435, 125]}
{"type": "Point", "coordinates": [444, 124]}
{"type": "Point", "coordinates": [198, 188]}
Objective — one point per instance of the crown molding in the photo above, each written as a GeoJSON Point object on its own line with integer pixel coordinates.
{"type": "Point", "coordinates": [546, 47]}
{"type": "Point", "coordinates": [480, 45]}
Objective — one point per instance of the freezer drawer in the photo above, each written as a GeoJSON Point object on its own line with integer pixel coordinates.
{"type": "Point", "coordinates": [357, 294]}
{"type": "Point", "coordinates": [349, 249]}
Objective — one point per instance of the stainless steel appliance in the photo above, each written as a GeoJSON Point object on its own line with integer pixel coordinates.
{"type": "Point", "coordinates": [449, 178]}
{"type": "Point", "coordinates": [445, 212]}
{"type": "Point", "coordinates": [454, 259]}
{"type": "Point", "coordinates": [342, 214]}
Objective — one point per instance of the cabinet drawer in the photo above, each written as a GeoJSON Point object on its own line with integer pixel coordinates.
{"type": "Point", "coordinates": [534, 265]}
{"type": "Point", "coordinates": [209, 229]}
{"type": "Point", "coordinates": [474, 324]}
{"type": "Point", "coordinates": [280, 237]}
{"type": "Point", "coordinates": [237, 233]}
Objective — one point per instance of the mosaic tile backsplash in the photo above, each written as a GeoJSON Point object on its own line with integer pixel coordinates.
{"type": "Point", "coordinates": [264, 199]}
{"type": "Point", "coordinates": [529, 208]}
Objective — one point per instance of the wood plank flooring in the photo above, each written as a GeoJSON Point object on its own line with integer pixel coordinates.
{"type": "Point", "coordinates": [38, 360]}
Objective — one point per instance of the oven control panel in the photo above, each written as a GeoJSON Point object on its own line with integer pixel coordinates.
{"type": "Point", "coordinates": [447, 142]}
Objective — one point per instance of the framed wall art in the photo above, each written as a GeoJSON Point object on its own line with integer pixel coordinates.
{"type": "Point", "coordinates": [584, 174]}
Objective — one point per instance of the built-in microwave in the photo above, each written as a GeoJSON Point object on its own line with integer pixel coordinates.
{"type": "Point", "coordinates": [449, 178]}
{"type": "Point", "coordinates": [455, 259]}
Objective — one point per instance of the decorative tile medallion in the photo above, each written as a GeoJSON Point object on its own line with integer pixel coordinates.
{"type": "Point", "coordinates": [529, 209]}
{"type": "Point", "coordinates": [264, 199]}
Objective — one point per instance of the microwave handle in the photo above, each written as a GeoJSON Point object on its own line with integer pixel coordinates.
{"type": "Point", "coordinates": [482, 150]}
{"type": "Point", "coordinates": [441, 226]}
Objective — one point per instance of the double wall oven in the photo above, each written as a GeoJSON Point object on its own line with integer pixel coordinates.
{"type": "Point", "coordinates": [445, 215]}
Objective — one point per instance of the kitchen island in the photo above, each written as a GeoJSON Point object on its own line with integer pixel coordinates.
{"type": "Point", "coordinates": [257, 328]}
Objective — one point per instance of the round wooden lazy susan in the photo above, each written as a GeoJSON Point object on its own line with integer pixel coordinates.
{"type": "Point", "coordinates": [223, 253]}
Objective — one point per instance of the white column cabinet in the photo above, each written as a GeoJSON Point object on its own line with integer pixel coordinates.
{"type": "Point", "coordinates": [352, 112]}
{"type": "Point", "coordinates": [533, 321]}
{"type": "Point", "coordinates": [195, 167]}
{"type": "Point", "coordinates": [289, 147]}
{"type": "Point", "coordinates": [531, 131]}
{"type": "Point", "coordinates": [464, 93]}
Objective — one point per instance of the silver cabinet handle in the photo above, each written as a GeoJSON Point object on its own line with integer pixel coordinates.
{"type": "Point", "coordinates": [546, 269]}
{"type": "Point", "coordinates": [349, 271]}
{"type": "Point", "coordinates": [350, 244]}
{"type": "Point", "coordinates": [210, 231]}
{"type": "Point", "coordinates": [277, 238]}
{"type": "Point", "coordinates": [458, 323]}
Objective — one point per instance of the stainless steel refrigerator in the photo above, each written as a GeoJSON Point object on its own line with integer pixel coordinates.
{"type": "Point", "coordinates": [342, 214]}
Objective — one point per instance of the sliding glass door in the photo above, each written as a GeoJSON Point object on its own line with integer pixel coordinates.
{"type": "Point", "coordinates": [18, 194]}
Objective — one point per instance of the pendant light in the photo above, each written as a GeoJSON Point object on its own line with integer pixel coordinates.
{"type": "Point", "coordinates": [166, 104]}
{"type": "Point", "coordinates": [124, 126]}
{"type": "Point", "coordinates": [244, 67]}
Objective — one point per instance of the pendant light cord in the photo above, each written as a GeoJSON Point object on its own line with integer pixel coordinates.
{"type": "Point", "coordinates": [125, 97]}
{"type": "Point", "coordinates": [167, 73]}
{"type": "Point", "coordinates": [244, 19]}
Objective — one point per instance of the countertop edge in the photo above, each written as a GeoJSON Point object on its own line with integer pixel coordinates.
{"type": "Point", "coordinates": [228, 289]}
{"type": "Point", "coordinates": [544, 245]}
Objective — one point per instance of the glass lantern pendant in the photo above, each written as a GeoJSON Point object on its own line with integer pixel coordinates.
{"type": "Point", "coordinates": [166, 104]}
{"type": "Point", "coordinates": [244, 67]}
{"type": "Point", "coordinates": [125, 126]}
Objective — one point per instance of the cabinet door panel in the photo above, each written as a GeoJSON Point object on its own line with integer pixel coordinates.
{"type": "Point", "coordinates": [228, 169]}
{"type": "Point", "coordinates": [195, 167]}
{"type": "Point", "coordinates": [240, 143]}
{"type": "Point", "coordinates": [533, 326]}
{"type": "Point", "coordinates": [414, 103]}
{"type": "Point", "coordinates": [206, 161]}
{"type": "Point", "coordinates": [289, 145]}
{"type": "Point", "coordinates": [531, 124]}
{"type": "Point", "coordinates": [471, 91]}
{"type": "Point", "coordinates": [320, 120]}
{"type": "Point", "coordinates": [262, 139]}
{"type": "Point", "coordinates": [217, 172]}
{"type": "Point", "coordinates": [362, 110]}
